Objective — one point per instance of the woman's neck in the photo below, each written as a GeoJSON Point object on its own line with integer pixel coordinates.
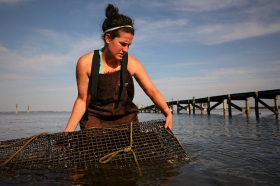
{"type": "Point", "coordinates": [109, 59]}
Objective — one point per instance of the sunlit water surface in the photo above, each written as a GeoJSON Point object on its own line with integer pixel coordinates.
{"type": "Point", "coordinates": [239, 150]}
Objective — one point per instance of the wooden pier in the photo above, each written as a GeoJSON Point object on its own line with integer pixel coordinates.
{"type": "Point", "coordinates": [194, 104]}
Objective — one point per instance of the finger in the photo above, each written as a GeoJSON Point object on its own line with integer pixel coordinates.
{"type": "Point", "coordinates": [170, 127]}
{"type": "Point", "coordinates": [167, 126]}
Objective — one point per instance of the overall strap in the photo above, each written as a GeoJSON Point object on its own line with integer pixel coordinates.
{"type": "Point", "coordinates": [94, 76]}
{"type": "Point", "coordinates": [123, 76]}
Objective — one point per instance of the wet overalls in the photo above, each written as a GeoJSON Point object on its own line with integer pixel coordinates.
{"type": "Point", "coordinates": [111, 97]}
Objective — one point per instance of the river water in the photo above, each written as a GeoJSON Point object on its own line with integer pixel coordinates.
{"type": "Point", "coordinates": [237, 150]}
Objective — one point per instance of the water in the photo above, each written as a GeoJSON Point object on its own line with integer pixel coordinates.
{"type": "Point", "coordinates": [223, 151]}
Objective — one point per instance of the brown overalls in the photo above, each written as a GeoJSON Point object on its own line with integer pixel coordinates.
{"type": "Point", "coordinates": [111, 99]}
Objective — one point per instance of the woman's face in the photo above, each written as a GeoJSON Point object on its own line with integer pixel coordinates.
{"type": "Point", "coordinates": [119, 45]}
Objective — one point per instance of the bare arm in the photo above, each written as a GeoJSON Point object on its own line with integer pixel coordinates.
{"type": "Point", "coordinates": [137, 70]}
{"type": "Point", "coordinates": [79, 108]}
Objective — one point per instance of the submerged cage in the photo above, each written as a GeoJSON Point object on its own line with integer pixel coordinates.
{"type": "Point", "coordinates": [125, 144]}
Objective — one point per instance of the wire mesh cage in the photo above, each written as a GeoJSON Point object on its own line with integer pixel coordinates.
{"type": "Point", "coordinates": [127, 145]}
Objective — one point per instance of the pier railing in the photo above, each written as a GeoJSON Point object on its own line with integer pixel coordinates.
{"type": "Point", "coordinates": [204, 104]}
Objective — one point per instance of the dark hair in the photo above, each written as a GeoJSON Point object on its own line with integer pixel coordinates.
{"type": "Point", "coordinates": [114, 19]}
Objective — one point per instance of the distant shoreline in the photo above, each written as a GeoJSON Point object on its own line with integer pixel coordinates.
{"type": "Point", "coordinates": [32, 111]}
{"type": "Point", "coordinates": [22, 111]}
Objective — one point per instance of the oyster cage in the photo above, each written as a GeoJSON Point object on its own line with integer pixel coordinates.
{"type": "Point", "coordinates": [150, 142]}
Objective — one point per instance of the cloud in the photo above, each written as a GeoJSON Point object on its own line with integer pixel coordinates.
{"type": "Point", "coordinates": [264, 10]}
{"type": "Point", "coordinates": [202, 5]}
{"type": "Point", "coordinates": [193, 6]}
{"type": "Point", "coordinates": [28, 60]}
{"type": "Point", "coordinates": [13, 1]}
{"type": "Point", "coordinates": [15, 61]}
{"type": "Point", "coordinates": [178, 31]}
{"type": "Point", "coordinates": [253, 20]}
{"type": "Point", "coordinates": [13, 76]}
{"type": "Point", "coordinates": [96, 6]}
{"type": "Point", "coordinates": [212, 86]}
{"type": "Point", "coordinates": [159, 29]}
{"type": "Point", "coordinates": [188, 64]}
{"type": "Point", "coordinates": [220, 33]}
{"type": "Point", "coordinates": [51, 34]}
{"type": "Point", "coordinates": [213, 83]}
{"type": "Point", "coordinates": [53, 89]}
{"type": "Point", "coordinates": [3, 49]}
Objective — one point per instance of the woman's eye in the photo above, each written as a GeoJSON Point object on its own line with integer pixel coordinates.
{"type": "Point", "coordinates": [125, 44]}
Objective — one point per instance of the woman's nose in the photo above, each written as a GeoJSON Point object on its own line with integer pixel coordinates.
{"type": "Point", "coordinates": [125, 49]}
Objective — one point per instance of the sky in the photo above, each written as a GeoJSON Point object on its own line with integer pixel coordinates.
{"type": "Point", "coordinates": [189, 48]}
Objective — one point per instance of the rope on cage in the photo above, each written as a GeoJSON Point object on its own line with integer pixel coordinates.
{"type": "Point", "coordinates": [110, 156]}
{"type": "Point", "coordinates": [19, 150]}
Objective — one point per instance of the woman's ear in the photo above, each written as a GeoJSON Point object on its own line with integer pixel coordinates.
{"type": "Point", "coordinates": [107, 38]}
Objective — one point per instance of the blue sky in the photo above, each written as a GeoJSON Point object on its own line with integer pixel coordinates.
{"type": "Point", "coordinates": [189, 48]}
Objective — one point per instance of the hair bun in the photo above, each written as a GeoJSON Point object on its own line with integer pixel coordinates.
{"type": "Point", "coordinates": [111, 11]}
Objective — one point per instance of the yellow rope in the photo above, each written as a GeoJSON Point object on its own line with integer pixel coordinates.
{"type": "Point", "coordinates": [110, 156]}
{"type": "Point", "coordinates": [31, 139]}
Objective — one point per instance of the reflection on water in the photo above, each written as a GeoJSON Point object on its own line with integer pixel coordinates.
{"type": "Point", "coordinates": [237, 150]}
{"type": "Point", "coordinates": [152, 173]}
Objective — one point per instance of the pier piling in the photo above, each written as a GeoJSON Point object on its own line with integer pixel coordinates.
{"type": "Point", "coordinates": [193, 105]}
{"type": "Point", "coordinates": [16, 109]}
{"type": "Point", "coordinates": [225, 107]}
{"type": "Point", "coordinates": [257, 105]}
{"type": "Point", "coordinates": [190, 107]}
{"type": "Point", "coordinates": [247, 103]}
{"type": "Point", "coordinates": [276, 104]}
{"type": "Point", "coordinates": [208, 105]}
{"type": "Point", "coordinates": [202, 108]}
{"type": "Point", "coordinates": [229, 106]}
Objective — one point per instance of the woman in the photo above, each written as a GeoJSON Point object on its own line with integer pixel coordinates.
{"type": "Point", "coordinates": [104, 80]}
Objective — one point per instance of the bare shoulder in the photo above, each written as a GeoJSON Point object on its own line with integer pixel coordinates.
{"type": "Point", "coordinates": [134, 65]}
{"type": "Point", "coordinates": [84, 63]}
{"type": "Point", "coordinates": [138, 71]}
{"type": "Point", "coordinates": [86, 58]}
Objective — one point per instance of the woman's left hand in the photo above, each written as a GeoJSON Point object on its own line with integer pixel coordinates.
{"type": "Point", "coordinates": [168, 121]}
